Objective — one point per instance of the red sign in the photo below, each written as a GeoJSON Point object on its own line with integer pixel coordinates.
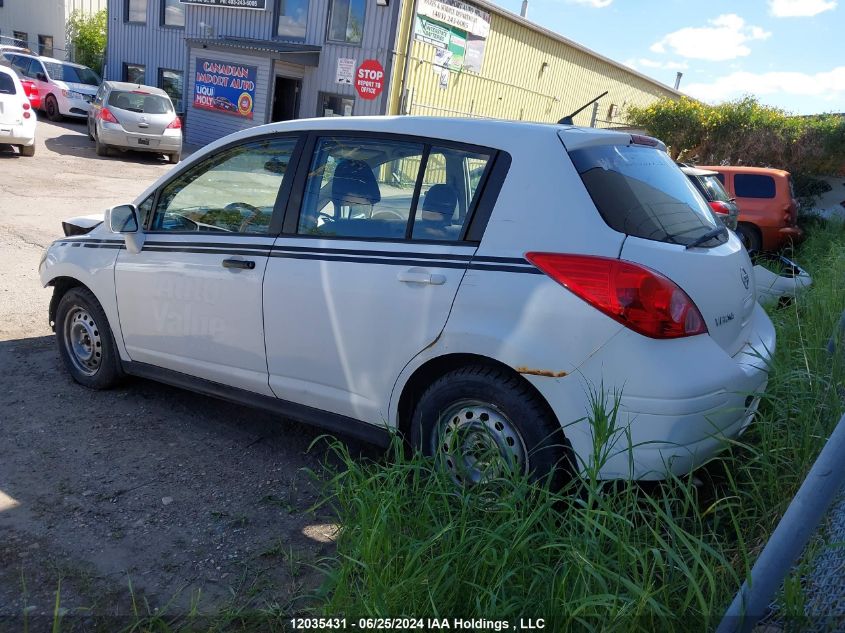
{"type": "Point", "coordinates": [369, 79]}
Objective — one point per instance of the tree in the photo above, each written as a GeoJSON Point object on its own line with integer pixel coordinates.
{"type": "Point", "coordinates": [87, 34]}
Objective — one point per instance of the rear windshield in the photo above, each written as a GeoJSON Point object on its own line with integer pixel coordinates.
{"type": "Point", "coordinates": [139, 101]}
{"type": "Point", "coordinates": [72, 74]}
{"type": "Point", "coordinates": [7, 85]}
{"type": "Point", "coordinates": [640, 191]}
{"type": "Point", "coordinates": [714, 188]}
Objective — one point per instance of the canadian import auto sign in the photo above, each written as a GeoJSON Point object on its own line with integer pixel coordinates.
{"type": "Point", "coordinates": [232, 4]}
{"type": "Point", "coordinates": [369, 79]}
{"type": "Point", "coordinates": [225, 87]}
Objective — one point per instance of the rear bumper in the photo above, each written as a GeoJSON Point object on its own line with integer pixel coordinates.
{"type": "Point", "coordinates": [680, 402]}
{"type": "Point", "coordinates": [17, 134]}
{"type": "Point", "coordinates": [164, 144]}
{"type": "Point", "coordinates": [776, 237]}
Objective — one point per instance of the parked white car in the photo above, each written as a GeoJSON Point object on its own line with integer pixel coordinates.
{"type": "Point", "coordinates": [364, 274]}
{"type": "Point", "coordinates": [17, 119]}
{"type": "Point", "coordinates": [66, 89]}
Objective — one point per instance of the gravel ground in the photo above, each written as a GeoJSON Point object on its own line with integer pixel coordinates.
{"type": "Point", "coordinates": [190, 499]}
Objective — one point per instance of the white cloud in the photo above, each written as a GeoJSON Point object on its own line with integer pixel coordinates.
{"type": "Point", "coordinates": [800, 8]}
{"type": "Point", "coordinates": [828, 84]}
{"type": "Point", "coordinates": [642, 62]}
{"type": "Point", "coordinates": [725, 39]}
{"type": "Point", "coordinates": [595, 4]}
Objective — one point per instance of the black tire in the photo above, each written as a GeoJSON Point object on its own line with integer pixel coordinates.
{"type": "Point", "coordinates": [174, 158]}
{"type": "Point", "coordinates": [750, 237]}
{"type": "Point", "coordinates": [101, 148]}
{"type": "Point", "coordinates": [28, 150]}
{"type": "Point", "coordinates": [85, 340]}
{"type": "Point", "coordinates": [51, 107]}
{"type": "Point", "coordinates": [529, 427]}
{"type": "Point", "coordinates": [90, 134]}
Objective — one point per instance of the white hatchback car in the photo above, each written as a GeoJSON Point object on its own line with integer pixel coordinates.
{"type": "Point", "coordinates": [17, 120]}
{"type": "Point", "coordinates": [466, 282]}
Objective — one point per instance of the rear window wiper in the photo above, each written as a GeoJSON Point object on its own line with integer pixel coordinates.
{"type": "Point", "coordinates": [708, 236]}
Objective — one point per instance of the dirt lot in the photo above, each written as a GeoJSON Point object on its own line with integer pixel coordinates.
{"type": "Point", "coordinates": [191, 500]}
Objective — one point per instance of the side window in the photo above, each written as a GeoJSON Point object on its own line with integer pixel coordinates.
{"type": "Point", "coordinates": [233, 192]}
{"type": "Point", "coordinates": [36, 68]}
{"type": "Point", "coordinates": [721, 178]}
{"type": "Point", "coordinates": [360, 187]}
{"type": "Point", "coordinates": [754, 186]}
{"type": "Point", "coordinates": [449, 187]}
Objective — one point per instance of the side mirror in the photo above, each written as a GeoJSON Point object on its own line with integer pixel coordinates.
{"type": "Point", "coordinates": [123, 219]}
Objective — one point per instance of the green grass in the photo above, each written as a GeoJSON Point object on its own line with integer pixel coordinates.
{"type": "Point", "coordinates": [604, 557]}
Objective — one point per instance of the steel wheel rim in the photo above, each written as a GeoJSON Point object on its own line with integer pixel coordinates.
{"type": "Point", "coordinates": [475, 442]}
{"type": "Point", "coordinates": [83, 341]}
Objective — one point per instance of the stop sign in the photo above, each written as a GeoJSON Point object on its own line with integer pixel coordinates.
{"type": "Point", "coordinates": [369, 79]}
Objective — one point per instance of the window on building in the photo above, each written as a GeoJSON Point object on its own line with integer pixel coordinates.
{"type": "Point", "coordinates": [172, 13]}
{"type": "Point", "coordinates": [134, 73]}
{"type": "Point", "coordinates": [334, 105]}
{"type": "Point", "coordinates": [346, 21]}
{"type": "Point", "coordinates": [136, 11]}
{"type": "Point", "coordinates": [21, 39]}
{"type": "Point", "coordinates": [173, 83]}
{"type": "Point", "coordinates": [45, 45]}
{"type": "Point", "coordinates": [293, 16]}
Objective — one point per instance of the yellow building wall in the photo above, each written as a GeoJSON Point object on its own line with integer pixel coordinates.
{"type": "Point", "coordinates": [514, 83]}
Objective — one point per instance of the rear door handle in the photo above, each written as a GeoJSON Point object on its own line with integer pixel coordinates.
{"type": "Point", "coordinates": [416, 276]}
{"type": "Point", "coordinates": [247, 264]}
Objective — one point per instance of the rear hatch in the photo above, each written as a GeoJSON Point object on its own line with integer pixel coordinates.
{"type": "Point", "coordinates": [11, 108]}
{"type": "Point", "coordinates": [141, 112]}
{"type": "Point", "coordinates": [639, 191]}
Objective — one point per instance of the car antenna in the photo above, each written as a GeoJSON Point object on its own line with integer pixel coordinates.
{"type": "Point", "coordinates": [567, 120]}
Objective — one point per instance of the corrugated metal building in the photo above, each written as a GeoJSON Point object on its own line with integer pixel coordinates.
{"type": "Point", "coordinates": [231, 64]}
{"type": "Point", "coordinates": [40, 25]}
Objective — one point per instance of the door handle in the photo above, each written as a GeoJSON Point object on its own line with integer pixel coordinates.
{"type": "Point", "coordinates": [421, 277]}
{"type": "Point", "coordinates": [247, 264]}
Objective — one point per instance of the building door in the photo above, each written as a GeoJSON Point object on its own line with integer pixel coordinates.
{"type": "Point", "coordinates": [286, 93]}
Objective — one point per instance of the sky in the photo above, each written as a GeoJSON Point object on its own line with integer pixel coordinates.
{"type": "Point", "coordinates": [788, 53]}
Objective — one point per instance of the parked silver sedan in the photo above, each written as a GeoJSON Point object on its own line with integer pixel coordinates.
{"type": "Point", "coordinates": [134, 117]}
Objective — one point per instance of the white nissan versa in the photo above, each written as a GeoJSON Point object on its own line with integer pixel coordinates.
{"type": "Point", "coordinates": [464, 281]}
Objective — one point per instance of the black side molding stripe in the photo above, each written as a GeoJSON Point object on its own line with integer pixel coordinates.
{"type": "Point", "coordinates": [373, 253]}
{"type": "Point", "coordinates": [224, 245]}
{"type": "Point", "coordinates": [207, 251]}
{"type": "Point", "coordinates": [391, 261]}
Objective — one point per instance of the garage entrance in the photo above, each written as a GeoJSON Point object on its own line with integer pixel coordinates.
{"type": "Point", "coordinates": [286, 93]}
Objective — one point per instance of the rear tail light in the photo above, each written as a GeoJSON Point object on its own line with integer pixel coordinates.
{"type": "Point", "coordinates": [641, 139]}
{"type": "Point", "coordinates": [176, 124]}
{"type": "Point", "coordinates": [720, 207]}
{"type": "Point", "coordinates": [26, 106]}
{"type": "Point", "coordinates": [638, 297]}
{"type": "Point", "coordinates": [107, 116]}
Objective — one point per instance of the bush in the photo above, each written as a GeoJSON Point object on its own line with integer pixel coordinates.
{"type": "Point", "coordinates": [747, 132]}
{"type": "Point", "coordinates": [87, 34]}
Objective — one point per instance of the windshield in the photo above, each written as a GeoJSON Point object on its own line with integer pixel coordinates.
{"type": "Point", "coordinates": [641, 192]}
{"type": "Point", "coordinates": [140, 101]}
{"type": "Point", "coordinates": [714, 188]}
{"type": "Point", "coordinates": [72, 74]}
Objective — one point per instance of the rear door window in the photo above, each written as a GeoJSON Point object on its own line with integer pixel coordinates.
{"type": "Point", "coordinates": [641, 192]}
{"type": "Point", "coordinates": [754, 186]}
{"type": "Point", "coordinates": [7, 85]}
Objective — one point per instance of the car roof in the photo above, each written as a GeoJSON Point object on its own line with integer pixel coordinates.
{"type": "Point", "coordinates": [482, 132]}
{"type": "Point", "coordinates": [696, 171]}
{"type": "Point", "coordinates": [741, 169]}
{"type": "Point", "coordinates": [123, 85]}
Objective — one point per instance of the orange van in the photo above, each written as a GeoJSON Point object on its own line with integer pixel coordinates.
{"type": "Point", "coordinates": [768, 210]}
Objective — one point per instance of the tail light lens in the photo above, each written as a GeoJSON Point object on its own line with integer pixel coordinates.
{"type": "Point", "coordinates": [638, 297]}
{"type": "Point", "coordinates": [176, 124]}
{"type": "Point", "coordinates": [26, 105]}
{"type": "Point", "coordinates": [720, 207]}
{"type": "Point", "coordinates": [107, 116]}
{"type": "Point", "coordinates": [26, 110]}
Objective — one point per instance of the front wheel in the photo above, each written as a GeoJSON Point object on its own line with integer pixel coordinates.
{"type": "Point", "coordinates": [52, 109]}
{"type": "Point", "coordinates": [85, 340]}
{"type": "Point", "coordinates": [481, 423]}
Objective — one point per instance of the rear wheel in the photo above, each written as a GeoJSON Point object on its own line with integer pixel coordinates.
{"type": "Point", "coordinates": [85, 340]}
{"type": "Point", "coordinates": [101, 148]}
{"type": "Point", "coordinates": [90, 134]}
{"type": "Point", "coordinates": [750, 236]}
{"type": "Point", "coordinates": [28, 150]}
{"type": "Point", "coordinates": [51, 106]}
{"type": "Point", "coordinates": [481, 423]}
{"type": "Point", "coordinates": [174, 158]}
